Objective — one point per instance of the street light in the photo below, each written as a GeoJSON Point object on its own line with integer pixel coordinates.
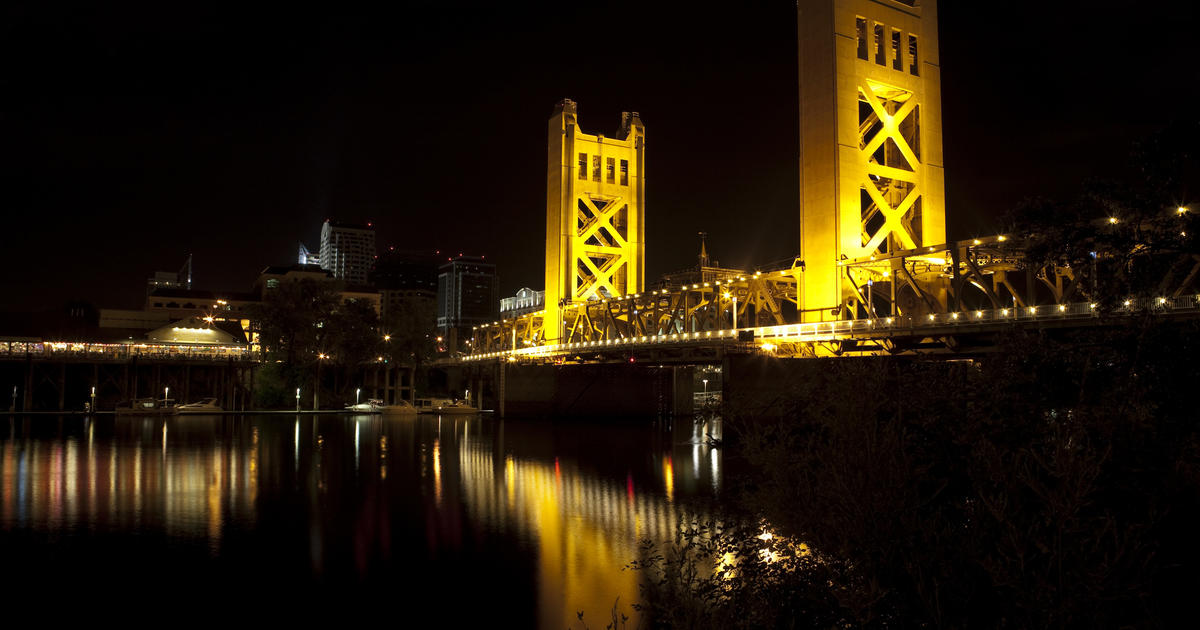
{"type": "Point", "coordinates": [705, 386]}
{"type": "Point", "coordinates": [297, 400]}
{"type": "Point", "coordinates": [357, 391]}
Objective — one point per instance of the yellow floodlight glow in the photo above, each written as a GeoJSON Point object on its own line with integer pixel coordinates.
{"type": "Point", "coordinates": [1062, 308]}
{"type": "Point", "coordinates": [768, 347]}
{"type": "Point", "coordinates": [1113, 220]}
{"type": "Point", "coordinates": [1181, 209]}
{"type": "Point", "coordinates": [1002, 238]}
{"type": "Point", "coordinates": [1128, 302]}
{"type": "Point", "coordinates": [976, 242]}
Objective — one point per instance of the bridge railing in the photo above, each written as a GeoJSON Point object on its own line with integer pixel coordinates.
{"type": "Point", "coordinates": [872, 327]}
{"type": "Point", "coordinates": [53, 350]}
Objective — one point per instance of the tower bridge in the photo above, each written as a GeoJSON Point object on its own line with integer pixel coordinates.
{"type": "Point", "coordinates": [875, 274]}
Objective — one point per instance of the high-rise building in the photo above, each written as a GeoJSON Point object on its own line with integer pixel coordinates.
{"type": "Point", "coordinates": [348, 251]}
{"type": "Point", "coordinates": [468, 293]}
{"type": "Point", "coordinates": [407, 280]}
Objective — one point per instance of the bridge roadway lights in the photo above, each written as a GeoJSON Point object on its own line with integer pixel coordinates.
{"type": "Point", "coordinates": [872, 328]}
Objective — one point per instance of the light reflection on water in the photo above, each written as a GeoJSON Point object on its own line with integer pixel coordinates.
{"type": "Point", "coordinates": [538, 518]}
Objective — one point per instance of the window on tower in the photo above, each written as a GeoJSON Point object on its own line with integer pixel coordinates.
{"type": "Point", "coordinates": [880, 50]}
{"type": "Point", "coordinates": [860, 27]}
{"type": "Point", "coordinates": [897, 53]}
{"type": "Point", "coordinates": [913, 60]}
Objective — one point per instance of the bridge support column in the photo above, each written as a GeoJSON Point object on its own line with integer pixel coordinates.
{"type": "Point", "coordinates": [501, 389]}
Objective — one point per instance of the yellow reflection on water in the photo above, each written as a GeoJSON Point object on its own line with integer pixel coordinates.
{"type": "Point", "coordinates": [585, 528]}
{"type": "Point", "coordinates": [437, 472]}
{"type": "Point", "coordinates": [669, 478]}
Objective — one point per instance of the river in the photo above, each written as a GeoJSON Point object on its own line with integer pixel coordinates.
{"type": "Point", "coordinates": [468, 520]}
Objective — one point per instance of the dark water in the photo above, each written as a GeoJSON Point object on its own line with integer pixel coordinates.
{"type": "Point", "coordinates": [455, 519]}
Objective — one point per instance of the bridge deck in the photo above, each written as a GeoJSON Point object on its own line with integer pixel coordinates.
{"type": "Point", "coordinates": [885, 335]}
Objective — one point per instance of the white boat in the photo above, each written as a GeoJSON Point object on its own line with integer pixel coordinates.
{"type": "Point", "coordinates": [373, 405]}
{"type": "Point", "coordinates": [204, 405]}
{"type": "Point", "coordinates": [401, 408]}
{"type": "Point", "coordinates": [444, 406]}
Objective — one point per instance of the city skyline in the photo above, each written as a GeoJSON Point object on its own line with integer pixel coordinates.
{"type": "Point", "coordinates": [140, 138]}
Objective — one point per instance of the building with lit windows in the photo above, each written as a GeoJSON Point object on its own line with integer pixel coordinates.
{"type": "Point", "coordinates": [348, 251]}
{"type": "Point", "coordinates": [525, 301]}
{"type": "Point", "coordinates": [468, 295]}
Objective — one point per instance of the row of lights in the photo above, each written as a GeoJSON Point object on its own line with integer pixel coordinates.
{"type": "Point", "coordinates": [1032, 310]}
{"type": "Point", "coordinates": [608, 342]}
{"type": "Point", "coordinates": [1181, 210]}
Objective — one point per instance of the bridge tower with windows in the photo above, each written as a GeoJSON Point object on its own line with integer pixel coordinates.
{"type": "Point", "coordinates": [871, 174]}
{"type": "Point", "coordinates": [595, 204]}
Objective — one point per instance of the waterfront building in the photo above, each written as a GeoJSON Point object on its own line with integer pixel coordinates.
{"type": "Point", "coordinates": [348, 251]}
{"type": "Point", "coordinates": [525, 301]}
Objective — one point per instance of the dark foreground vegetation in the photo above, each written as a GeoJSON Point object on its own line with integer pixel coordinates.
{"type": "Point", "coordinates": [1053, 484]}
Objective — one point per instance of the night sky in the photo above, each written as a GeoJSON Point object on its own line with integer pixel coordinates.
{"type": "Point", "coordinates": [135, 135]}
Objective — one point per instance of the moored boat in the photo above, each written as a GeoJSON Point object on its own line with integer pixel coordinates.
{"type": "Point", "coordinates": [444, 406]}
{"type": "Point", "coordinates": [204, 405]}
{"type": "Point", "coordinates": [373, 405]}
{"type": "Point", "coordinates": [401, 408]}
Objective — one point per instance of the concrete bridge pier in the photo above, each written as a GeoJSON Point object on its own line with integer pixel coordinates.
{"type": "Point", "coordinates": [579, 391]}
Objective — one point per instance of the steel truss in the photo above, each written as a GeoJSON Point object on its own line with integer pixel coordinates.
{"type": "Point", "coordinates": [924, 284]}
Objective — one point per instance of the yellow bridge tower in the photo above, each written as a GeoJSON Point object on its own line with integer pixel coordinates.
{"type": "Point", "coordinates": [595, 199]}
{"type": "Point", "coordinates": [871, 175]}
